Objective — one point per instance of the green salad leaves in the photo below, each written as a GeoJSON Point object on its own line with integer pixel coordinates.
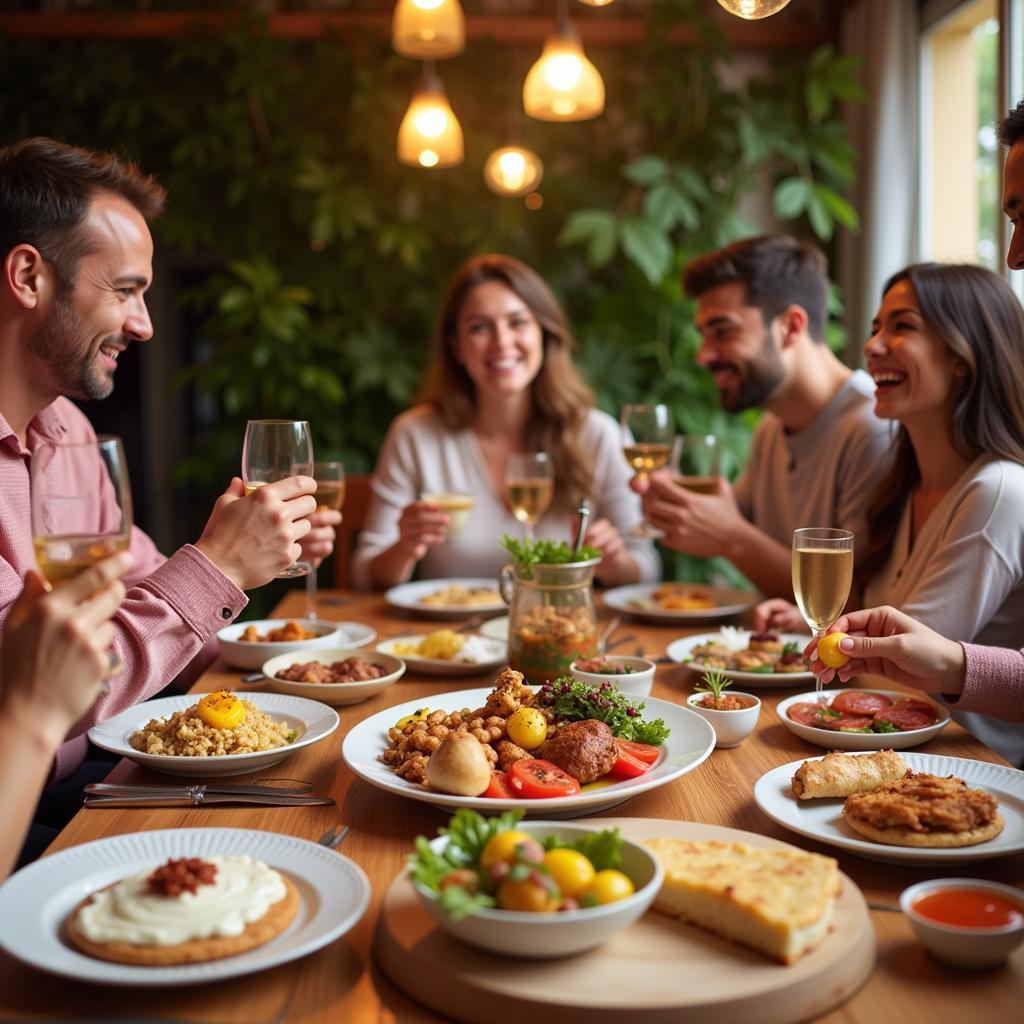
{"type": "Point", "coordinates": [528, 553]}
{"type": "Point", "coordinates": [576, 701]}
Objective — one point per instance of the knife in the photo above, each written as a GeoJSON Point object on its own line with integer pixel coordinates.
{"type": "Point", "coordinates": [200, 799]}
{"type": "Point", "coordinates": [171, 789]}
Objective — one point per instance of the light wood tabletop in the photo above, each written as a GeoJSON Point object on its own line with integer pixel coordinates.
{"type": "Point", "coordinates": [342, 983]}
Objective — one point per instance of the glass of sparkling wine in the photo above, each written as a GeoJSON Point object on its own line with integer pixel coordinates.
{"type": "Point", "coordinates": [275, 450]}
{"type": "Point", "coordinates": [330, 494]}
{"type": "Point", "coordinates": [81, 509]}
{"type": "Point", "coordinates": [696, 461]}
{"type": "Point", "coordinates": [647, 432]}
{"type": "Point", "coordinates": [822, 575]}
{"type": "Point", "coordinates": [456, 505]}
{"type": "Point", "coordinates": [529, 486]}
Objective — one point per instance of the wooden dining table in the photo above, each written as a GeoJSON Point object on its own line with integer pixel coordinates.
{"type": "Point", "coordinates": [342, 982]}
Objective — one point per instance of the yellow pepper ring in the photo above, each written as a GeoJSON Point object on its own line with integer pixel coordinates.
{"type": "Point", "coordinates": [222, 710]}
{"type": "Point", "coordinates": [416, 716]}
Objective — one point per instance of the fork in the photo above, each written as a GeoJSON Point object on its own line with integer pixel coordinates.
{"type": "Point", "coordinates": [333, 836]}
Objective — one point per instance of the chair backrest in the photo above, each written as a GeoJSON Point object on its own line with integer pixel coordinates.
{"type": "Point", "coordinates": [357, 500]}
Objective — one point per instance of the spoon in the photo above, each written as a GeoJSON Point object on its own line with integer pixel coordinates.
{"type": "Point", "coordinates": [584, 513]}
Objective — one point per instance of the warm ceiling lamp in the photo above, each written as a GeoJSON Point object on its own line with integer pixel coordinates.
{"type": "Point", "coordinates": [563, 85]}
{"type": "Point", "coordinates": [428, 29]}
{"type": "Point", "coordinates": [597, 3]}
{"type": "Point", "coordinates": [430, 134]}
{"type": "Point", "coordinates": [513, 171]}
{"type": "Point", "coordinates": [753, 9]}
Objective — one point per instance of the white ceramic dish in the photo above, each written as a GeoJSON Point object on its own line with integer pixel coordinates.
{"type": "Point", "coordinates": [408, 597]}
{"type": "Point", "coordinates": [639, 681]}
{"type": "Point", "coordinates": [832, 739]}
{"type": "Point", "coordinates": [680, 650]}
{"type": "Point", "coordinates": [540, 936]}
{"type": "Point", "coordinates": [823, 819]}
{"type": "Point", "coordinates": [311, 719]}
{"type": "Point", "coordinates": [635, 599]}
{"type": "Point", "coordinates": [496, 629]}
{"type": "Point", "coordinates": [35, 902]}
{"type": "Point", "coordinates": [496, 654]}
{"type": "Point", "coordinates": [731, 727]}
{"type": "Point", "coordinates": [335, 694]}
{"type": "Point", "coordinates": [243, 654]}
{"type": "Point", "coordinates": [690, 741]}
{"type": "Point", "coordinates": [970, 948]}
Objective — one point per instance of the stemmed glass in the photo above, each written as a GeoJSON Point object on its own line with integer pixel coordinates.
{"type": "Point", "coordinates": [530, 486]}
{"type": "Point", "coordinates": [330, 494]}
{"type": "Point", "coordinates": [647, 432]}
{"type": "Point", "coordinates": [275, 450]}
{"type": "Point", "coordinates": [822, 576]}
{"type": "Point", "coordinates": [696, 461]}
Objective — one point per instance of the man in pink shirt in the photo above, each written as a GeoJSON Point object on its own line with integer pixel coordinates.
{"type": "Point", "coordinates": [76, 261]}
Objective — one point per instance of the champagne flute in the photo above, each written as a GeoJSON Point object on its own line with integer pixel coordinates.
{"type": "Point", "coordinates": [696, 461]}
{"type": "Point", "coordinates": [275, 450]}
{"type": "Point", "coordinates": [330, 494]}
{"type": "Point", "coordinates": [647, 433]}
{"type": "Point", "coordinates": [822, 575]}
{"type": "Point", "coordinates": [530, 486]}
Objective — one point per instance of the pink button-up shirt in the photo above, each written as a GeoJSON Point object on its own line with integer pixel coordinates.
{"type": "Point", "coordinates": [173, 607]}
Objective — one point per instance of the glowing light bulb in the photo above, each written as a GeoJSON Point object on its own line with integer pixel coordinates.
{"type": "Point", "coordinates": [597, 3]}
{"type": "Point", "coordinates": [427, 5]}
{"type": "Point", "coordinates": [562, 73]}
{"type": "Point", "coordinates": [563, 85]}
{"type": "Point", "coordinates": [428, 29]}
{"type": "Point", "coordinates": [430, 134]}
{"type": "Point", "coordinates": [428, 158]}
{"type": "Point", "coordinates": [430, 122]}
{"type": "Point", "coordinates": [513, 171]}
{"type": "Point", "coordinates": [752, 10]}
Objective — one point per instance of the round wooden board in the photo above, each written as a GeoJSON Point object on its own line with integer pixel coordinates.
{"type": "Point", "coordinates": [659, 969]}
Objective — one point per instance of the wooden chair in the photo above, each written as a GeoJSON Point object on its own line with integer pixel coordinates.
{"type": "Point", "coordinates": [357, 500]}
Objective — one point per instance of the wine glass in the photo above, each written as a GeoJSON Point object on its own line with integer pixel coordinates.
{"type": "Point", "coordinates": [647, 433]}
{"type": "Point", "coordinates": [275, 450]}
{"type": "Point", "coordinates": [822, 575]}
{"type": "Point", "coordinates": [530, 486]}
{"type": "Point", "coordinates": [457, 505]}
{"type": "Point", "coordinates": [330, 494]}
{"type": "Point", "coordinates": [696, 462]}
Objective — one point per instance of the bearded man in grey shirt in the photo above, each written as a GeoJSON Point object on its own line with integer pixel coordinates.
{"type": "Point", "coordinates": [762, 307]}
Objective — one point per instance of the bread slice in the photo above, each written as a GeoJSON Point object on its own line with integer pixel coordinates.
{"type": "Point", "coordinates": [778, 901]}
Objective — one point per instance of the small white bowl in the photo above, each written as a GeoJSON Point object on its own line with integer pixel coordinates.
{"type": "Point", "coordinates": [243, 654]}
{"type": "Point", "coordinates": [639, 681]}
{"type": "Point", "coordinates": [335, 694]}
{"type": "Point", "coordinates": [542, 936]}
{"type": "Point", "coordinates": [972, 948]}
{"type": "Point", "coordinates": [731, 727]}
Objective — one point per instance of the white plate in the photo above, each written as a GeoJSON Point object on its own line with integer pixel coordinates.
{"type": "Point", "coordinates": [728, 601]}
{"type": "Point", "coordinates": [246, 654]}
{"type": "Point", "coordinates": [834, 740]}
{"type": "Point", "coordinates": [311, 720]}
{"type": "Point", "coordinates": [497, 652]}
{"type": "Point", "coordinates": [407, 596]}
{"type": "Point", "coordinates": [496, 629]}
{"type": "Point", "coordinates": [335, 694]}
{"type": "Point", "coordinates": [823, 819]}
{"type": "Point", "coordinates": [679, 650]}
{"type": "Point", "coordinates": [35, 902]}
{"type": "Point", "coordinates": [690, 741]}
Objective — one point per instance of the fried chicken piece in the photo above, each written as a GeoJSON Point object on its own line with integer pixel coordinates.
{"type": "Point", "coordinates": [586, 750]}
{"type": "Point", "coordinates": [924, 803]}
{"type": "Point", "coordinates": [508, 753]}
{"type": "Point", "coordinates": [509, 693]}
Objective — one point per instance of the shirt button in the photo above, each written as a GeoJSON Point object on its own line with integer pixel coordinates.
{"type": "Point", "coordinates": [225, 613]}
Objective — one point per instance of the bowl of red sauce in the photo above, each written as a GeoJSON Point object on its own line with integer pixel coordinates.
{"type": "Point", "coordinates": [966, 922]}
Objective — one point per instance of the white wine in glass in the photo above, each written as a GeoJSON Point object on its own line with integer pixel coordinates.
{"type": "Point", "coordinates": [822, 576]}
{"type": "Point", "coordinates": [275, 450]}
{"type": "Point", "coordinates": [529, 486]}
{"type": "Point", "coordinates": [696, 461]}
{"type": "Point", "coordinates": [330, 495]}
{"type": "Point", "coordinates": [647, 432]}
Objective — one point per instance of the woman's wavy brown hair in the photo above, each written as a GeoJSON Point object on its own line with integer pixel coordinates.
{"type": "Point", "coordinates": [977, 315]}
{"type": "Point", "coordinates": [560, 398]}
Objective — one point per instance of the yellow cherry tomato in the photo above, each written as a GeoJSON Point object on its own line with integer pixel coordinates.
{"type": "Point", "coordinates": [608, 886]}
{"type": "Point", "coordinates": [528, 895]}
{"type": "Point", "coordinates": [416, 716]}
{"type": "Point", "coordinates": [222, 710]}
{"type": "Point", "coordinates": [502, 847]}
{"type": "Point", "coordinates": [527, 728]}
{"type": "Point", "coordinates": [828, 650]}
{"type": "Point", "coordinates": [573, 873]}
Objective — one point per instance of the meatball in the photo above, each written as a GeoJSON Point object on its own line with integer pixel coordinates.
{"type": "Point", "coordinates": [586, 750]}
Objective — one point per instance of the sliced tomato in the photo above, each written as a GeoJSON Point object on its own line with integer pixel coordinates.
{"type": "Point", "coordinates": [500, 788]}
{"type": "Point", "coordinates": [541, 780]}
{"type": "Point", "coordinates": [854, 722]}
{"type": "Point", "coordinates": [910, 704]}
{"type": "Point", "coordinates": [906, 719]}
{"type": "Point", "coordinates": [812, 714]}
{"type": "Point", "coordinates": [641, 751]}
{"type": "Point", "coordinates": [628, 767]}
{"type": "Point", "coordinates": [858, 702]}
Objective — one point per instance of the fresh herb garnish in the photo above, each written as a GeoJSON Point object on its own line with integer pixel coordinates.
{"type": "Point", "coordinates": [713, 682]}
{"type": "Point", "coordinates": [575, 702]}
{"type": "Point", "coordinates": [878, 726]}
{"type": "Point", "coordinates": [790, 648]}
{"type": "Point", "coordinates": [528, 553]}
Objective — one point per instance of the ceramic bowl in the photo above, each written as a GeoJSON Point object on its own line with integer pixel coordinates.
{"type": "Point", "coordinates": [335, 694]}
{"type": "Point", "coordinates": [731, 727]}
{"type": "Point", "coordinates": [639, 680]}
{"type": "Point", "coordinates": [242, 654]}
{"type": "Point", "coordinates": [972, 948]}
{"type": "Point", "coordinates": [542, 936]}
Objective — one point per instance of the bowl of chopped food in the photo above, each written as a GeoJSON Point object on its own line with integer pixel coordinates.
{"type": "Point", "coordinates": [536, 889]}
{"type": "Point", "coordinates": [249, 644]}
{"type": "Point", "coordinates": [732, 715]}
{"type": "Point", "coordinates": [336, 676]}
{"type": "Point", "coordinates": [629, 674]}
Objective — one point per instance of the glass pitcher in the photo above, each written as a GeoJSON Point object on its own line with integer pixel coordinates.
{"type": "Point", "coordinates": [552, 620]}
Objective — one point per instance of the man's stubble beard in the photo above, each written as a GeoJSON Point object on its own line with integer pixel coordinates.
{"type": "Point", "coordinates": [757, 380]}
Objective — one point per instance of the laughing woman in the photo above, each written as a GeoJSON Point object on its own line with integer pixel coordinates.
{"type": "Point", "coordinates": [502, 381]}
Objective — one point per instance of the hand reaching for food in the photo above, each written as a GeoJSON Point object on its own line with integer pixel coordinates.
{"type": "Point", "coordinates": [778, 615]}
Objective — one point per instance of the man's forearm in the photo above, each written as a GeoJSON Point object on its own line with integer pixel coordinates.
{"type": "Point", "coordinates": [763, 560]}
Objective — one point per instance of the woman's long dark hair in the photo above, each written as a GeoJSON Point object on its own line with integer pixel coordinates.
{"type": "Point", "coordinates": [560, 399]}
{"type": "Point", "coordinates": [977, 315]}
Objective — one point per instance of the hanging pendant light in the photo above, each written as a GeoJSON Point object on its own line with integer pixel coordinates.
{"type": "Point", "coordinates": [563, 85]}
{"type": "Point", "coordinates": [597, 3]}
{"type": "Point", "coordinates": [513, 171]}
{"type": "Point", "coordinates": [430, 134]}
{"type": "Point", "coordinates": [428, 29]}
{"type": "Point", "coordinates": [751, 10]}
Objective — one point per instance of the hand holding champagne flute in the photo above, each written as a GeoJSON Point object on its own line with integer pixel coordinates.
{"type": "Point", "coordinates": [647, 432]}
{"type": "Point", "coordinates": [822, 576]}
{"type": "Point", "coordinates": [530, 486]}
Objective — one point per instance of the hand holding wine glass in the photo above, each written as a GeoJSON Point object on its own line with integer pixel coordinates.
{"type": "Point", "coordinates": [530, 486]}
{"type": "Point", "coordinates": [647, 432]}
{"type": "Point", "coordinates": [697, 463]}
{"type": "Point", "coordinates": [330, 496]}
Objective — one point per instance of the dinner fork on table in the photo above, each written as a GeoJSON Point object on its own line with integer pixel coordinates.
{"type": "Point", "coordinates": [333, 836]}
